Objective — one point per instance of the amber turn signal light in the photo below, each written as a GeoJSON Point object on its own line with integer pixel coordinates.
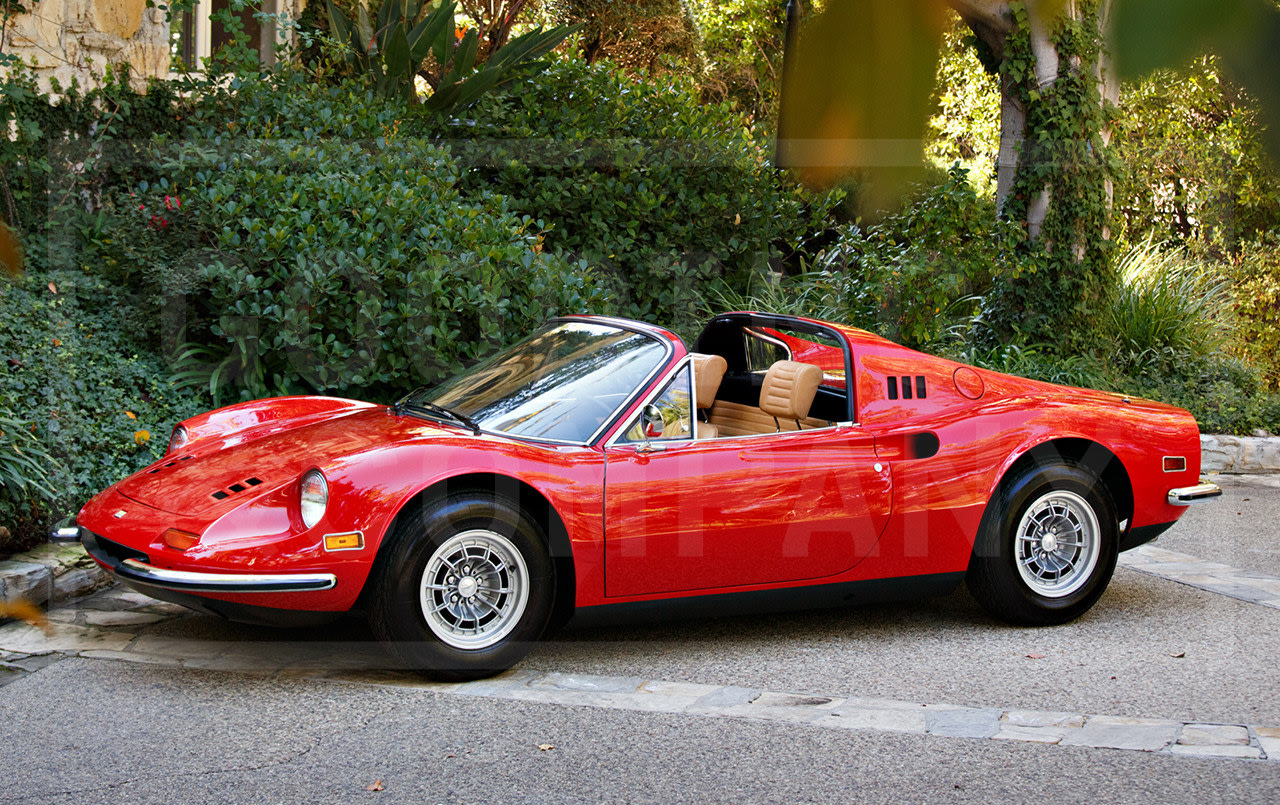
{"type": "Point", "coordinates": [344, 542]}
{"type": "Point", "coordinates": [179, 540]}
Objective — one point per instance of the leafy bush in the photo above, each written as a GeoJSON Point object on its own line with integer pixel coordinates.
{"type": "Point", "coordinates": [411, 38]}
{"type": "Point", "coordinates": [652, 36]}
{"type": "Point", "coordinates": [327, 253]}
{"type": "Point", "coordinates": [965, 128]}
{"type": "Point", "coordinates": [919, 275]}
{"type": "Point", "coordinates": [23, 478]}
{"type": "Point", "coordinates": [1040, 362]}
{"type": "Point", "coordinates": [1256, 301]}
{"type": "Point", "coordinates": [64, 154]}
{"type": "Point", "coordinates": [664, 195]}
{"type": "Point", "coordinates": [744, 42]}
{"type": "Point", "coordinates": [93, 403]}
{"type": "Point", "coordinates": [1196, 168]}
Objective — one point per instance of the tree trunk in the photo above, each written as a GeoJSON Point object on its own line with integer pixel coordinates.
{"type": "Point", "coordinates": [992, 22]}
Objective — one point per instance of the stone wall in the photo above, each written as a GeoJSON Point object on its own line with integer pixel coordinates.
{"type": "Point", "coordinates": [76, 39]}
{"type": "Point", "coordinates": [1239, 454]}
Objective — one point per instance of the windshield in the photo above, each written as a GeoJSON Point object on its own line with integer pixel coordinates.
{"type": "Point", "coordinates": [561, 383]}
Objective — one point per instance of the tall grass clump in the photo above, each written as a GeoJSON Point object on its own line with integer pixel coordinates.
{"type": "Point", "coordinates": [1167, 308]}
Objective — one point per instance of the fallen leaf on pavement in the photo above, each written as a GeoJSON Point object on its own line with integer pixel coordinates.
{"type": "Point", "coordinates": [25, 611]}
{"type": "Point", "coordinates": [1035, 656]}
{"type": "Point", "coordinates": [376, 785]}
{"type": "Point", "coordinates": [545, 747]}
{"type": "Point", "coordinates": [1179, 655]}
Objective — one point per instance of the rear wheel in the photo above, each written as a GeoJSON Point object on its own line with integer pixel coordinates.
{"type": "Point", "coordinates": [465, 587]}
{"type": "Point", "coordinates": [1047, 546]}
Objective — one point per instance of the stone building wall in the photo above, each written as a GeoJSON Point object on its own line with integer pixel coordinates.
{"type": "Point", "coordinates": [76, 39]}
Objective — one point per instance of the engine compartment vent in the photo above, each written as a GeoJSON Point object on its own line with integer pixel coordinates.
{"type": "Point", "coordinates": [908, 387]}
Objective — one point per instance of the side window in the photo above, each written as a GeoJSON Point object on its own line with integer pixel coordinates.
{"type": "Point", "coordinates": [676, 404]}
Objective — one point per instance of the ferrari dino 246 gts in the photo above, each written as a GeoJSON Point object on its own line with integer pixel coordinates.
{"type": "Point", "coordinates": [599, 470]}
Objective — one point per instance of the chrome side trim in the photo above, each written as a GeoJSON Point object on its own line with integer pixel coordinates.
{"type": "Point", "coordinates": [1186, 495]}
{"type": "Point", "coordinates": [192, 581]}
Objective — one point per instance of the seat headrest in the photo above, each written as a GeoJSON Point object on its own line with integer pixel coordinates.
{"type": "Point", "coordinates": [708, 371]}
{"type": "Point", "coordinates": [789, 388]}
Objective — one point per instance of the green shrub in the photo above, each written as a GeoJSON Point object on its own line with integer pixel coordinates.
{"type": "Point", "coordinates": [1041, 362]}
{"type": "Point", "coordinates": [664, 195]}
{"type": "Point", "coordinates": [1195, 166]}
{"type": "Point", "coordinates": [1256, 300]}
{"type": "Point", "coordinates": [94, 404]}
{"type": "Point", "coordinates": [60, 156]}
{"type": "Point", "coordinates": [744, 44]}
{"type": "Point", "coordinates": [327, 253]}
{"type": "Point", "coordinates": [919, 275]}
{"type": "Point", "coordinates": [24, 488]}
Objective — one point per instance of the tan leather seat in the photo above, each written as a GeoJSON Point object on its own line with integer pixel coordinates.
{"type": "Point", "coordinates": [736, 419]}
{"type": "Point", "coordinates": [788, 390]}
{"type": "Point", "coordinates": [708, 372]}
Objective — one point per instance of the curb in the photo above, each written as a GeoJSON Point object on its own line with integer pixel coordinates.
{"type": "Point", "coordinates": [49, 574]}
{"type": "Point", "coordinates": [1239, 455]}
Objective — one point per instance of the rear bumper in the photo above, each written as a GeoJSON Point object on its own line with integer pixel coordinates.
{"type": "Point", "coordinates": [1186, 495]}
{"type": "Point", "coordinates": [132, 567]}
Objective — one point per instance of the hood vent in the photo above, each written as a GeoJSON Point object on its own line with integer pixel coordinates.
{"type": "Point", "coordinates": [912, 387]}
{"type": "Point", "coordinates": [235, 489]}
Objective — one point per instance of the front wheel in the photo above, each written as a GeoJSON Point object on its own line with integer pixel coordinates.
{"type": "Point", "coordinates": [465, 587]}
{"type": "Point", "coordinates": [1047, 546]}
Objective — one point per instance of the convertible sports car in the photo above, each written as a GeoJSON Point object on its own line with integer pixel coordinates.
{"type": "Point", "coordinates": [599, 470]}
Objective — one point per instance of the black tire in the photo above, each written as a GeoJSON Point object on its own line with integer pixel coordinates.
{"type": "Point", "coordinates": [1027, 568]}
{"type": "Point", "coordinates": [419, 605]}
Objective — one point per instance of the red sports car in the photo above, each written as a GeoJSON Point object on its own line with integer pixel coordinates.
{"type": "Point", "coordinates": [599, 470]}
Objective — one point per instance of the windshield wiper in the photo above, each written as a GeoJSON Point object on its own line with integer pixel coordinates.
{"type": "Point", "coordinates": [441, 411]}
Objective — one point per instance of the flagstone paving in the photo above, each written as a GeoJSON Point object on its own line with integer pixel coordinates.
{"type": "Point", "coordinates": [1244, 585]}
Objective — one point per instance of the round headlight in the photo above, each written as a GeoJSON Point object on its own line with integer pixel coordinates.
{"type": "Point", "coordinates": [314, 497]}
{"type": "Point", "coordinates": [177, 439]}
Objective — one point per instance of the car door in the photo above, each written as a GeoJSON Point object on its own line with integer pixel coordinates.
{"type": "Point", "coordinates": [683, 513]}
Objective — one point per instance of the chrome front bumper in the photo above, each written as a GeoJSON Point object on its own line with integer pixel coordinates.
{"type": "Point", "coordinates": [199, 582]}
{"type": "Point", "coordinates": [1186, 495]}
{"type": "Point", "coordinates": [136, 571]}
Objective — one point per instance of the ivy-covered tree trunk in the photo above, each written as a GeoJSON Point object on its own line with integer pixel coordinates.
{"type": "Point", "coordinates": [994, 23]}
{"type": "Point", "coordinates": [1052, 171]}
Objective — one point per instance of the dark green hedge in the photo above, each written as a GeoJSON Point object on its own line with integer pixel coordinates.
{"type": "Point", "coordinates": [665, 195]}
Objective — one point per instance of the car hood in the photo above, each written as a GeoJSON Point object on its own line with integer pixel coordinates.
{"type": "Point", "coordinates": [218, 474]}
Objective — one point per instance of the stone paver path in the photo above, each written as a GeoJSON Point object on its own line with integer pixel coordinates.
{"type": "Point", "coordinates": [1245, 585]}
{"type": "Point", "coordinates": [99, 627]}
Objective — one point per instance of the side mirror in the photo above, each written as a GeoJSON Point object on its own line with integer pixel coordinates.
{"type": "Point", "coordinates": [653, 423]}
